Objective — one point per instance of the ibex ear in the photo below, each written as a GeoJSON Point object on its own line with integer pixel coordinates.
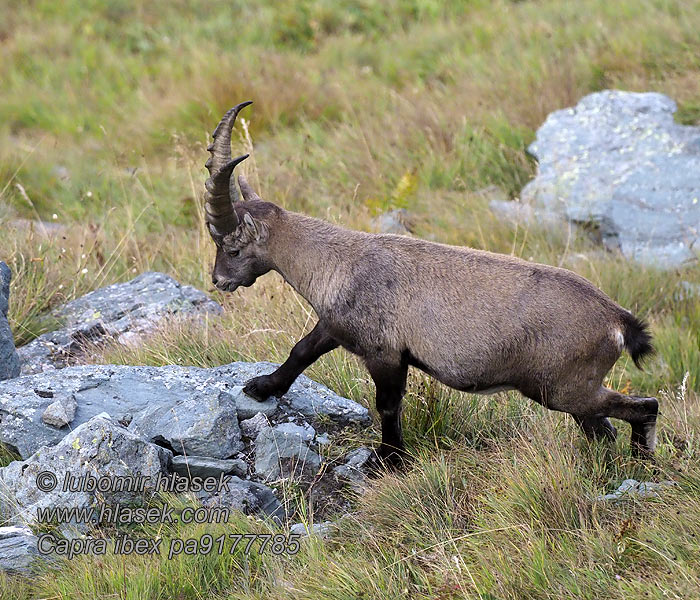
{"type": "Point", "coordinates": [248, 194]}
{"type": "Point", "coordinates": [256, 229]}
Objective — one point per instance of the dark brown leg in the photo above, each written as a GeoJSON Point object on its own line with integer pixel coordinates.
{"type": "Point", "coordinates": [390, 382]}
{"type": "Point", "coordinates": [596, 428]}
{"type": "Point", "coordinates": [306, 351]}
{"type": "Point", "coordinates": [641, 413]}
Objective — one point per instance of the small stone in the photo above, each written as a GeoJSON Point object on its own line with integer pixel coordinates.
{"type": "Point", "coordinates": [305, 431]}
{"type": "Point", "coordinates": [353, 469]}
{"type": "Point", "coordinates": [249, 497]}
{"type": "Point", "coordinates": [204, 466]}
{"type": "Point", "coordinates": [283, 454]}
{"type": "Point", "coordinates": [394, 221]}
{"type": "Point", "coordinates": [61, 412]}
{"type": "Point", "coordinates": [205, 423]}
{"type": "Point", "coordinates": [631, 488]}
{"type": "Point", "coordinates": [323, 530]}
{"type": "Point", "coordinates": [250, 428]}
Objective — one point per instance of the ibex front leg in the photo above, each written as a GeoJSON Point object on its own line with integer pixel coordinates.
{"type": "Point", "coordinates": [305, 352]}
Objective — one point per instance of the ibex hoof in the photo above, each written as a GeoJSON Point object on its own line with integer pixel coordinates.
{"type": "Point", "coordinates": [382, 462]}
{"type": "Point", "coordinates": [260, 388]}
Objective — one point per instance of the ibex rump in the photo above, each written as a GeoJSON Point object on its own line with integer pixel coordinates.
{"type": "Point", "coordinates": [474, 320]}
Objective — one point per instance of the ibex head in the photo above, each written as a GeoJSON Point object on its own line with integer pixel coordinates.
{"type": "Point", "coordinates": [238, 231]}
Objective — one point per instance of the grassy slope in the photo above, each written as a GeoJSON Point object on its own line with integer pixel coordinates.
{"type": "Point", "coordinates": [359, 106]}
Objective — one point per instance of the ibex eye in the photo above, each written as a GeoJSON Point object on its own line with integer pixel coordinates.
{"type": "Point", "coordinates": [234, 252]}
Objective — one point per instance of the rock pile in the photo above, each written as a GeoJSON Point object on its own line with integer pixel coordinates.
{"type": "Point", "coordinates": [113, 423]}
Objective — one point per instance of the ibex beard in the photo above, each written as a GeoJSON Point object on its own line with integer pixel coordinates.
{"type": "Point", "coordinates": [474, 320]}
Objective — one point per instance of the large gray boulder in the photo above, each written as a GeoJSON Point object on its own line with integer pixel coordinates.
{"type": "Point", "coordinates": [9, 360]}
{"type": "Point", "coordinates": [96, 449]}
{"type": "Point", "coordinates": [619, 162]}
{"type": "Point", "coordinates": [122, 312]}
{"type": "Point", "coordinates": [187, 409]}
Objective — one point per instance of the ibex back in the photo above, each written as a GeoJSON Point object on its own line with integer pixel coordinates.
{"type": "Point", "coordinates": [474, 320]}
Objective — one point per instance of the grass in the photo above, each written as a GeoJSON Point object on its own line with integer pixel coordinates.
{"type": "Point", "coordinates": [360, 107]}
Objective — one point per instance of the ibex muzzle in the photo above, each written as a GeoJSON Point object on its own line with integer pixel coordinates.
{"type": "Point", "coordinates": [474, 320]}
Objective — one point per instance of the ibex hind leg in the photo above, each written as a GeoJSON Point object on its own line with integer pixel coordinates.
{"type": "Point", "coordinates": [596, 428]}
{"type": "Point", "coordinates": [390, 382]}
{"type": "Point", "coordinates": [640, 413]}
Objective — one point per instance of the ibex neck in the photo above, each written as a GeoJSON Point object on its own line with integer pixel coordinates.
{"type": "Point", "coordinates": [308, 253]}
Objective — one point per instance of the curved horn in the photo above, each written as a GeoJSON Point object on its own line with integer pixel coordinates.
{"type": "Point", "coordinates": [219, 197]}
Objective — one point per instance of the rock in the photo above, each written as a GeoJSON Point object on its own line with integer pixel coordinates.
{"type": "Point", "coordinates": [175, 406]}
{"type": "Point", "coordinates": [248, 497]}
{"type": "Point", "coordinates": [282, 452]}
{"type": "Point", "coordinates": [306, 397]}
{"type": "Point", "coordinates": [99, 448]}
{"type": "Point", "coordinates": [305, 431]}
{"type": "Point", "coordinates": [517, 213]}
{"type": "Point", "coordinates": [631, 488]}
{"type": "Point", "coordinates": [9, 359]}
{"type": "Point", "coordinates": [61, 412]}
{"type": "Point", "coordinates": [46, 229]}
{"type": "Point", "coordinates": [687, 290]}
{"type": "Point", "coordinates": [123, 311]}
{"type": "Point", "coordinates": [203, 423]}
{"type": "Point", "coordinates": [203, 466]}
{"type": "Point", "coordinates": [323, 530]}
{"type": "Point", "coordinates": [60, 172]}
{"type": "Point", "coordinates": [249, 407]}
{"type": "Point", "coordinates": [353, 471]}
{"type": "Point", "coordinates": [617, 161]}
{"type": "Point", "coordinates": [18, 550]}
{"type": "Point", "coordinates": [250, 428]}
{"type": "Point", "coordinates": [394, 221]}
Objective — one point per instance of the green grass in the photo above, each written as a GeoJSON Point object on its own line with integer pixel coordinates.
{"type": "Point", "coordinates": [360, 106]}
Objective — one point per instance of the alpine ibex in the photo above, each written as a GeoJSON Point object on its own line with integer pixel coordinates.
{"type": "Point", "coordinates": [474, 320]}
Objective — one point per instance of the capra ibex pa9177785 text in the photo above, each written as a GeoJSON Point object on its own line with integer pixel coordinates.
{"type": "Point", "coordinates": [474, 320]}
